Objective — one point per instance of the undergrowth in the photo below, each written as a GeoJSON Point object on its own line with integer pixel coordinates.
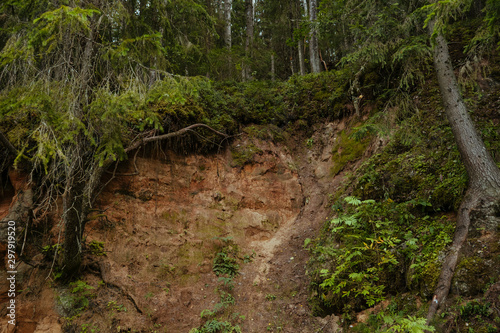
{"type": "Point", "coordinates": [373, 249]}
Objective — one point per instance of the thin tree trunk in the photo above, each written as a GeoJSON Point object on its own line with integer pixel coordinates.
{"type": "Point", "coordinates": [74, 212]}
{"type": "Point", "coordinates": [313, 39]}
{"type": "Point", "coordinates": [249, 39]}
{"type": "Point", "coordinates": [73, 218]}
{"type": "Point", "coordinates": [301, 58]}
{"type": "Point", "coordinates": [273, 71]}
{"type": "Point", "coordinates": [227, 17]}
{"type": "Point", "coordinates": [480, 166]}
{"type": "Point", "coordinates": [483, 192]}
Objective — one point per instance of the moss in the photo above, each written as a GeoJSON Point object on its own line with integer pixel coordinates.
{"type": "Point", "coordinates": [265, 132]}
{"type": "Point", "coordinates": [419, 163]}
{"type": "Point", "coordinates": [471, 276]}
{"type": "Point", "coordinates": [347, 150]}
{"type": "Point", "coordinates": [428, 279]}
{"type": "Point", "coordinates": [244, 154]}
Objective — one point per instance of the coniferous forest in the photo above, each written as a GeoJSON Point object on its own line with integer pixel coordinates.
{"type": "Point", "coordinates": [250, 165]}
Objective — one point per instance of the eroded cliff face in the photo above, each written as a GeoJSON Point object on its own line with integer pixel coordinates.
{"type": "Point", "coordinates": [161, 222]}
{"type": "Point", "coordinates": [167, 223]}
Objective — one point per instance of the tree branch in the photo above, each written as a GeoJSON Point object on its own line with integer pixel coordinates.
{"type": "Point", "coordinates": [7, 144]}
{"type": "Point", "coordinates": [171, 135]}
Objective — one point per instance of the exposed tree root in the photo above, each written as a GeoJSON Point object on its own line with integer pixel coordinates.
{"type": "Point", "coordinates": [451, 260]}
{"type": "Point", "coordinates": [104, 268]}
{"type": "Point", "coordinates": [476, 210]}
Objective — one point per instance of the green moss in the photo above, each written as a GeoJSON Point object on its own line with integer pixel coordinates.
{"type": "Point", "coordinates": [428, 278]}
{"type": "Point", "coordinates": [471, 276]}
{"type": "Point", "coordinates": [419, 163]}
{"type": "Point", "coordinates": [244, 154]}
{"type": "Point", "coordinates": [265, 132]}
{"type": "Point", "coordinates": [347, 150]}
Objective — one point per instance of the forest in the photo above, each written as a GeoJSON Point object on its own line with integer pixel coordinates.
{"type": "Point", "coordinates": [278, 165]}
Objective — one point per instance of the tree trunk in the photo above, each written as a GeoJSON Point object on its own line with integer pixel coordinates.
{"type": "Point", "coordinates": [249, 39]}
{"type": "Point", "coordinates": [20, 212]}
{"type": "Point", "coordinates": [481, 200]}
{"type": "Point", "coordinates": [313, 38]}
{"type": "Point", "coordinates": [273, 70]}
{"type": "Point", "coordinates": [301, 58]}
{"type": "Point", "coordinates": [227, 18]}
{"type": "Point", "coordinates": [74, 226]}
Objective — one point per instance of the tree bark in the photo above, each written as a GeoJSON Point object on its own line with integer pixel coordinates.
{"type": "Point", "coordinates": [74, 224]}
{"type": "Point", "coordinates": [273, 70]}
{"type": "Point", "coordinates": [313, 38]}
{"type": "Point", "coordinates": [301, 58]}
{"type": "Point", "coordinates": [227, 18]}
{"type": "Point", "coordinates": [249, 39]}
{"type": "Point", "coordinates": [484, 176]}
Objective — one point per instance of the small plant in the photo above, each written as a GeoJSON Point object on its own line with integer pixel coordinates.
{"type": "Point", "coordinates": [310, 143]}
{"type": "Point", "coordinates": [398, 324]}
{"type": "Point", "coordinates": [248, 258]}
{"type": "Point", "coordinates": [474, 308]}
{"type": "Point", "coordinates": [307, 241]}
{"type": "Point", "coordinates": [113, 305]}
{"type": "Point", "coordinates": [81, 293]}
{"type": "Point", "coordinates": [224, 264]}
{"type": "Point", "coordinates": [97, 248]}
{"type": "Point", "coordinates": [227, 282]}
{"type": "Point", "coordinates": [86, 328]}
{"type": "Point", "coordinates": [216, 326]}
{"type": "Point", "coordinates": [148, 295]}
{"type": "Point", "coordinates": [50, 250]}
{"type": "Point", "coordinates": [270, 297]}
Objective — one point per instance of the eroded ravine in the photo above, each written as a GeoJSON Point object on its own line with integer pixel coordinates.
{"type": "Point", "coordinates": [161, 227]}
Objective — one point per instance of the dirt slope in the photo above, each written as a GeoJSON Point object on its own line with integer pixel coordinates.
{"type": "Point", "coordinates": [163, 223]}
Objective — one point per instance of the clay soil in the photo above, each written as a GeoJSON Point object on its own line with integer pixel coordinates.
{"type": "Point", "coordinates": [163, 218]}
